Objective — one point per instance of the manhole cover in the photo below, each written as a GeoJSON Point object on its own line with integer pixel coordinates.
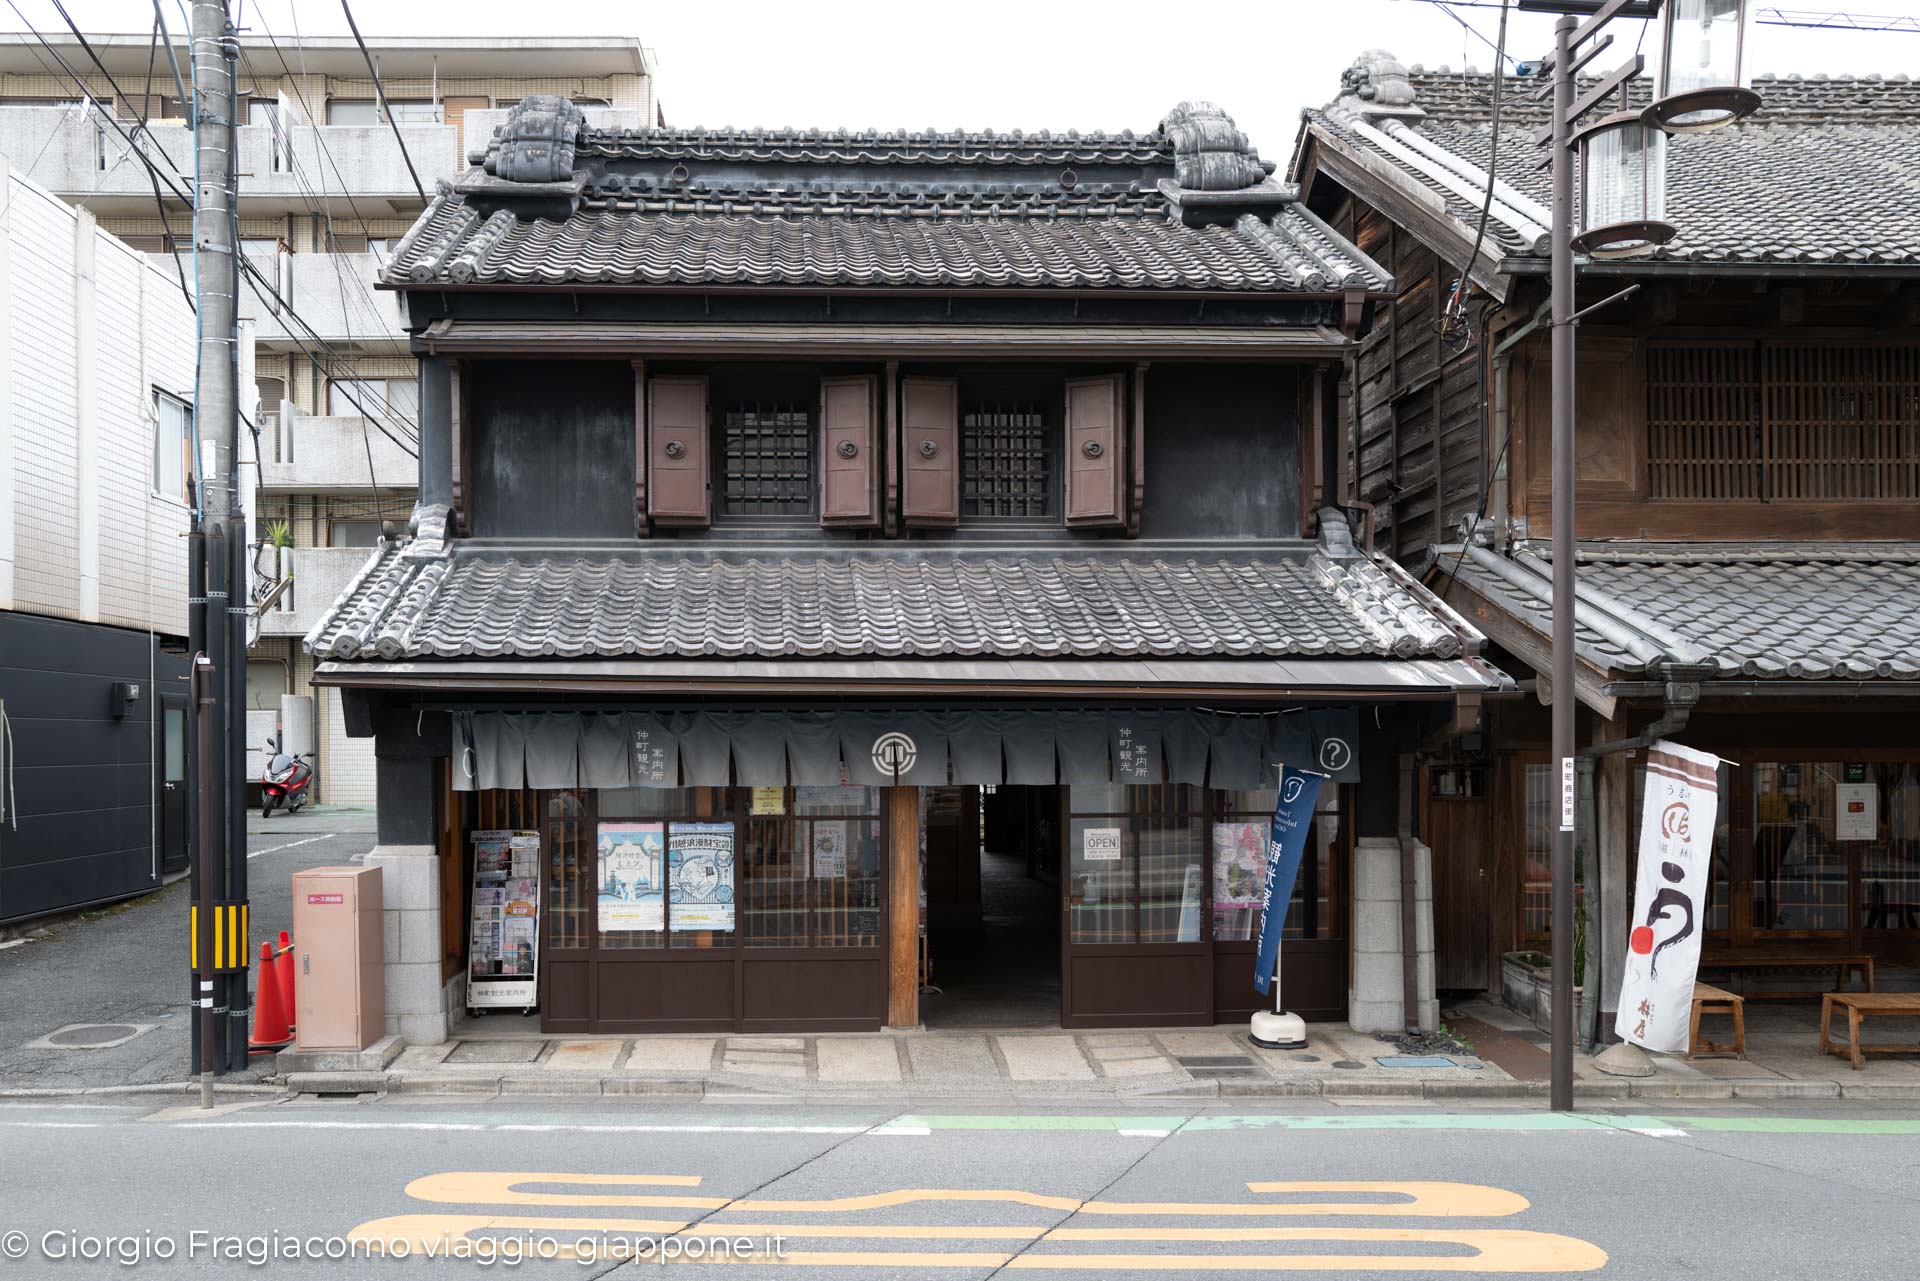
{"type": "Point", "coordinates": [495, 1052]}
{"type": "Point", "coordinates": [90, 1036]}
{"type": "Point", "coordinates": [1306, 1058]}
{"type": "Point", "coordinates": [1347, 1063]}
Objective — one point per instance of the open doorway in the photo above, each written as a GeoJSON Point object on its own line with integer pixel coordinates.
{"type": "Point", "coordinates": [993, 907]}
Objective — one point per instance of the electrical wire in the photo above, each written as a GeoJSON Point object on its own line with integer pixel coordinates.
{"type": "Point", "coordinates": [1455, 332]}
{"type": "Point", "coordinates": [381, 93]}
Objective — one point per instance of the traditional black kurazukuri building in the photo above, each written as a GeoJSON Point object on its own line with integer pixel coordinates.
{"type": "Point", "coordinates": [796, 506]}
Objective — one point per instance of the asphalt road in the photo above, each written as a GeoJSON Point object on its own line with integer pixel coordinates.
{"type": "Point", "coordinates": [127, 964]}
{"type": "Point", "coordinates": [868, 1192]}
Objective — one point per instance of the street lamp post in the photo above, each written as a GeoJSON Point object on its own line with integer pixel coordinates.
{"type": "Point", "coordinates": [1622, 211]}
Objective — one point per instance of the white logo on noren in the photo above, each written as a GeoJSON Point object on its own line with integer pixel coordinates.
{"type": "Point", "coordinates": [1334, 754]}
{"type": "Point", "coordinates": [894, 753]}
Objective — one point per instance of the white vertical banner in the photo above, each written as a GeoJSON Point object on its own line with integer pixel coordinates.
{"type": "Point", "coordinates": [1682, 801]}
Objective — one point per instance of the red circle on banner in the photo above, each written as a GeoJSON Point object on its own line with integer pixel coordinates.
{"type": "Point", "coordinates": [1641, 940]}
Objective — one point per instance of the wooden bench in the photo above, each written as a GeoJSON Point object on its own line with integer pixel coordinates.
{"type": "Point", "coordinates": [1841, 963]}
{"type": "Point", "coordinates": [1711, 1000]}
{"type": "Point", "coordinates": [1858, 1005]}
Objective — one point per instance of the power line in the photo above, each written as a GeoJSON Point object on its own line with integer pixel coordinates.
{"type": "Point", "coordinates": [1454, 329]}
{"type": "Point", "coordinates": [1769, 16]}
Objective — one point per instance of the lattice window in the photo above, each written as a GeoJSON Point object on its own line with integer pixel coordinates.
{"type": "Point", "coordinates": [1006, 463]}
{"type": "Point", "coordinates": [1783, 422]}
{"type": "Point", "coordinates": [766, 461]}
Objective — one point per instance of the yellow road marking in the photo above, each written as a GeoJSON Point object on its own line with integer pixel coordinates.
{"type": "Point", "coordinates": [1423, 1199]}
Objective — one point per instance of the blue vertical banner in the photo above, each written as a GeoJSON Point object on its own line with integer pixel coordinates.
{"type": "Point", "coordinates": [1299, 791]}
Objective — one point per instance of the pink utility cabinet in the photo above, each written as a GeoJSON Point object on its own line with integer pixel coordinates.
{"type": "Point", "coordinates": [340, 996]}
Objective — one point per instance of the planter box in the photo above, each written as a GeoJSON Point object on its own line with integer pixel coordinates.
{"type": "Point", "coordinates": [1528, 989]}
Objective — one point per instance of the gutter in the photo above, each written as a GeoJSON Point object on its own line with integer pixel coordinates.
{"type": "Point", "coordinates": [1526, 266]}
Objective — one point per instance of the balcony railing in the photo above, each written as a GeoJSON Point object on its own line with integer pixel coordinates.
{"type": "Point", "coordinates": [319, 576]}
{"type": "Point", "coordinates": [321, 454]}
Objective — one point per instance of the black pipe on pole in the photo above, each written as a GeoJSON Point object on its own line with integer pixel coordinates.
{"type": "Point", "coordinates": [207, 1041]}
{"type": "Point", "coordinates": [236, 616]}
{"type": "Point", "coordinates": [196, 774]}
{"type": "Point", "coordinates": [1561, 1065]}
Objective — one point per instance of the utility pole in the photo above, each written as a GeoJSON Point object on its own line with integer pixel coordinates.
{"type": "Point", "coordinates": [1561, 1063]}
{"type": "Point", "coordinates": [221, 856]}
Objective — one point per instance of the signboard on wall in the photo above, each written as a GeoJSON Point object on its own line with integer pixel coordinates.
{"type": "Point", "coordinates": [503, 950]}
{"type": "Point", "coordinates": [1856, 811]}
{"type": "Point", "coordinates": [1100, 844]}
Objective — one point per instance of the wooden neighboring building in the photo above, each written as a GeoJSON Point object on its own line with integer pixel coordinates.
{"type": "Point", "coordinates": [1748, 496]}
{"type": "Point", "coordinates": [804, 484]}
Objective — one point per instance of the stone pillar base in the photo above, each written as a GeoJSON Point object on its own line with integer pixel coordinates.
{"type": "Point", "coordinates": [417, 998]}
{"type": "Point", "coordinates": [1376, 997]}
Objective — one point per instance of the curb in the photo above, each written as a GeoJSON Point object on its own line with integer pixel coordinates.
{"type": "Point", "coordinates": [698, 1087]}
{"type": "Point", "coordinates": [158, 1087]}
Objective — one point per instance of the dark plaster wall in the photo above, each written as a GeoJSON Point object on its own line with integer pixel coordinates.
{"type": "Point", "coordinates": [553, 449]}
{"type": "Point", "coordinates": [1223, 452]}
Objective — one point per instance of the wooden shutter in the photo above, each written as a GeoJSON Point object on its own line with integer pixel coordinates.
{"type": "Point", "coordinates": [678, 480]}
{"type": "Point", "coordinates": [1094, 475]}
{"type": "Point", "coordinates": [849, 452]}
{"type": "Point", "coordinates": [930, 450]}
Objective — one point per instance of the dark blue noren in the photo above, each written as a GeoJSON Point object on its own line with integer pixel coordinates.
{"type": "Point", "coordinates": [1299, 791]}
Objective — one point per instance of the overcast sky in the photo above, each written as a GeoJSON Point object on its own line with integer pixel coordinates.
{"type": "Point", "coordinates": [994, 64]}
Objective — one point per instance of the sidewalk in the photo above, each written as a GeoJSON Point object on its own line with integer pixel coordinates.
{"type": "Point", "coordinates": [1000, 1065]}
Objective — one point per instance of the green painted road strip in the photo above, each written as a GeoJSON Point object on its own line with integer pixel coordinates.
{"type": "Point", "coordinates": [1504, 1122]}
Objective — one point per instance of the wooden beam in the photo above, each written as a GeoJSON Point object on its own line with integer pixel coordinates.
{"type": "Point", "coordinates": [903, 907]}
{"type": "Point", "coordinates": [457, 393]}
{"type": "Point", "coordinates": [890, 447]}
{"type": "Point", "coordinates": [640, 447]}
{"type": "Point", "coordinates": [1793, 305]}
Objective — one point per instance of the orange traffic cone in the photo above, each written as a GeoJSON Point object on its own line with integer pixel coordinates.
{"type": "Point", "coordinates": [283, 961]}
{"type": "Point", "coordinates": [270, 1030]}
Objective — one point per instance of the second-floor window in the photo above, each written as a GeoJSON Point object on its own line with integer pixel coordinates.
{"type": "Point", "coordinates": [1781, 422]}
{"type": "Point", "coordinates": [1007, 463]}
{"type": "Point", "coordinates": [172, 446]}
{"type": "Point", "coordinates": [764, 457]}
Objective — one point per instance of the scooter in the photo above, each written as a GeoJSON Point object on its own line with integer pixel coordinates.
{"type": "Point", "coordinates": [286, 783]}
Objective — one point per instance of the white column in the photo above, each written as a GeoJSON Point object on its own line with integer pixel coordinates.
{"type": "Point", "coordinates": [86, 427]}
{"type": "Point", "coordinates": [1376, 997]}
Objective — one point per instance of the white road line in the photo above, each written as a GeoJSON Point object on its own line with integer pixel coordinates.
{"type": "Point", "coordinates": [1144, 1134]}
{"type": "Point", "coordinates": [275, 849]}
{"type": "Point", "coordinates": [525, 1128]}
{"type": "Point", "coordinates": [52, 1125]}
{"type": "Point", "coordinates": [909, 1131]}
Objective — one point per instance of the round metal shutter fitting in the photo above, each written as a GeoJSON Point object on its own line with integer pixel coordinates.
{"type": "Point", "coordinates": [675, 449]}
{"type": "Point", "coordinates": [928, 449]}
{"type": "Point", "coordinates": [1091, 449]}
{"type": "Point", "coordinates": [848, 449]}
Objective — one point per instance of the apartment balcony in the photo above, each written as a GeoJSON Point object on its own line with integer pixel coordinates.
{"type": "Point", "coordinates": [319, 576]}
{"type": "Point", "coordinates": [76, 154]}
{"type": "Point", "coordinates": [331, 295]}
{"type": "Point", "coordinates": [302, 454]}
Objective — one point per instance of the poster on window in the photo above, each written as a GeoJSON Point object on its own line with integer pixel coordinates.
{"type": "Point", "coordinates": [829, 850]}
{"type": "Point", "coordinates": [503, 945]}
{"type": "Point", "coordinates": [1239, 877]}
{"type": "Point", "coordinates": [1677, 813]}
{"type": "Point", "coordinates": [700, 876]}
{"type": "Point", "coordinates": [632, 876]}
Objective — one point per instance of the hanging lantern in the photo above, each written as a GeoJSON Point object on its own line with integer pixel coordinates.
{"type": "Point", "coordinates": [1702, 75]}
{"type": "Point", "coordinates": [1623, 187]}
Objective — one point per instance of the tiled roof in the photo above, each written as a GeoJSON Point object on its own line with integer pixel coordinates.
{"type": "Point", "coordinates": [798, 207]}
{"type": "Point", "coordinates": [1832, 611]}
{"type": "Point", "coordinates": [747, 241]}
{"type": "Point", "coordinates": [419, 601]}
{"type": "Point", "coordinates": [1824, 172]}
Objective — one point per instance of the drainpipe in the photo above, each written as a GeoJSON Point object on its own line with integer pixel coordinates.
{"type": "Point", "coordinates": [1409, 889]}
{"type": "Point", "coordinates": [1502, 421]}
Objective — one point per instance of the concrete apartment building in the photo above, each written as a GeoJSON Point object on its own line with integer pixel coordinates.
{"type": "Point", "coordinates": [325, 194]}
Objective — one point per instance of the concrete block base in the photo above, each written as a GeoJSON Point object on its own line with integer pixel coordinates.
{"type": "Point", "coordinates": [375, 1058]}
{"type": "Point", "coordinates": [417, 997]}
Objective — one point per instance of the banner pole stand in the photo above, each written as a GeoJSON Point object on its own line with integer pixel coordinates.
{"type": "Point", "coordinates": [1277, 1029]}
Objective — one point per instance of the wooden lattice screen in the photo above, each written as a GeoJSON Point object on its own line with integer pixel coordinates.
{"type": "Point", "coordinates": [1783, 421]}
